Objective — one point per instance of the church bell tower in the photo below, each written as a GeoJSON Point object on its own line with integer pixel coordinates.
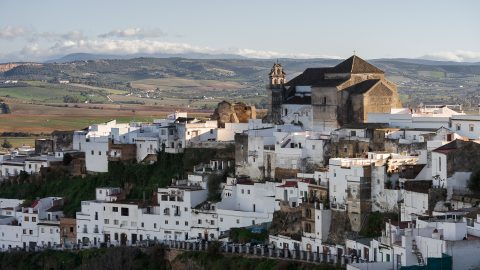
{"type": "Point", "coordinates": [276, 90]}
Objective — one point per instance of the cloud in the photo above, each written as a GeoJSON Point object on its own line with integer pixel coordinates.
{"type": "Point", "coordinates": [42, 46]}
{"type": "Point", "coordinates": [134, 32]}
{"type": "Point", "coordinates": [77, 43]}
{"type": "Point", "coordinates": [457, 56]}
{"type": "Point", "coordinates": [12, 32]}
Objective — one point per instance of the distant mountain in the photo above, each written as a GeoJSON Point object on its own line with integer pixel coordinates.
{"type": "Point", "coordinates": [83, 57]}
{"type": "Point", "coordinates": [421, 61]}
{"type": "Point", "coordinates": [90, 56]}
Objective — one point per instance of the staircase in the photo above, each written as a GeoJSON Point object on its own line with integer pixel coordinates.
{"type": "Point", "coordinates": [285, 143]}
{"type": "Point", "coordinates": [417, 253]}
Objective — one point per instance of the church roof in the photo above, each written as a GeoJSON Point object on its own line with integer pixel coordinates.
{"type": "Point", "coordinates": [355, 65]}
{"type": "Point", "coordinates": [315, 77]}
{"type": "Point", "coordinates": [362, 87]}
{"type": "Point", "coordinates": [454, 145]}
{"type": "Point", "coordinates": [299, 100]}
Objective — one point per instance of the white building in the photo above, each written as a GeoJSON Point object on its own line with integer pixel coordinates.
{"type": "Point", "coordinates": [249, 204]}
{"type": "Point", "coordinates": [37, 225]}
{"type": "Point", "coordinates": [426, 117]}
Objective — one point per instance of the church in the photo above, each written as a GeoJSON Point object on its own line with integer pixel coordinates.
{"type": "Point", "coordinates": [324, 99]}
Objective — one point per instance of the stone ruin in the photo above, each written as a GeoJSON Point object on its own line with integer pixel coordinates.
{"type": "Point", "coordinates": [238, 112]}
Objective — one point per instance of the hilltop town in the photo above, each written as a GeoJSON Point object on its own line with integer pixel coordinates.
{"type": "Point", "coordinates": [337, 172]}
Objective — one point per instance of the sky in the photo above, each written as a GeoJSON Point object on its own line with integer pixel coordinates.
{"type": "Point", "coordinates": [430, 29]}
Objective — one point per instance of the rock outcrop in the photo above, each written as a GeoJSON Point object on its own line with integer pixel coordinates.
{"type": "Point", "coordinates": [239, 112]}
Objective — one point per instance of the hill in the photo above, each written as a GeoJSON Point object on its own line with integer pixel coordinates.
{"type": "Point", "coordinates": [238, 79]}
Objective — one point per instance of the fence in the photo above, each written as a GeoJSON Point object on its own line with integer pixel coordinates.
{"type": "Point", "coordinates": [267, 252]}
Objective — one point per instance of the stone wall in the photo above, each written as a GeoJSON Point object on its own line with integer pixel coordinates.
{"type": "Point", "coordinates": [63, 140]}
{"type": "Point", "coordinates": [339, 227]}
{"type": "Point", "coordinates": [282, 173]}
{"type": "Point", "coordinates": [43, 146]}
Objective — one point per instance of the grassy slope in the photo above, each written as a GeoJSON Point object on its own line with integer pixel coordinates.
{"type": "Point", "coordinates": [144, 179]}
{"type": "Point", "coordinates": [111, 258]}
{"type": "Point", "coordinates": [147, 258]}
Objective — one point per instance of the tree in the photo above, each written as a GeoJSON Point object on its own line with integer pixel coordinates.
{"type": "Point", "coordinates": [67, 159]}
{"type": "Point", "coordinates": [6, 144]}
{"type": "Point", "coordinates": [4, 108]}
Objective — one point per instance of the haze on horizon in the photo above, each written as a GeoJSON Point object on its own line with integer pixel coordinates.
{"type": "Point", "coordinates": [430, 29]}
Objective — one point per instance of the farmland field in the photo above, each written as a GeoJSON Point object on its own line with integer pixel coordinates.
{"type": "Point", "coordinates": [20, 141]}
{"type": "Point", "coordinates": [176, 83]}
{"type": "Point", "coordinates": [45, 118]}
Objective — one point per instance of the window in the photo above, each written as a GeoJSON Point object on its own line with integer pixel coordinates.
{"type": "Point", "coordinates": [286, 111]}
{"type": "Point", "coordinates": [115, 209]}
{"type": "Point", "coordinates": [243, 191]}
{"type": "Point", "coordinates": [143, 224]}
{"type": "Point", "coordinates": [106, 221]}
{"type": "Point", "coordinates": [199, 221]}
{"type": "Point", "coordinates": [124, 212]}
{"type": "Point", "coordinates": [42, 230]}
{"type": "Point", "coordinates": [470, 127]}
{"type": "Point", "coordinates": [166, 221]}
{"type": "Point", "coordinates": [186, 223]}
{"type": "Point", "coordinates": [353, 133]}
{"type": "Point", "coordinates": [155, 225]}
{"type": "Point", "coordinates": [93, 153]}
{"type": "Point", "coordinates": [238, 221]}
{"type": "Point", "coordinates": [115, 222]}
{"type": "Point", "coordinates": [71, 229]}
{"type": "Point", "coordinates": [96, 215]}
{"type": "Point", "coordinates": [459, 126]}
{"type": "Point", "coordinates": [31, 231]}
{"type": "Point", "coordinates": [99, 153]}
{"type": "Point", "coordinates": [221, 219]}
{"type": "Point", "coordinates": [26, 219]}
{"type": "Point", "coordinates": [324, 100]}
{"type": "Point", "coordinates": [439, 164]}
{"type": "Point", "coordinates": [248, 191]}
{"type": "Point", "coordinates": [212, 222]}
{"type": "Point", "coordinates": [177, 222]}
{"type": "Point", "coordinates": [313, 146]}
{"type": "Point", "coordinates": [34, 219]}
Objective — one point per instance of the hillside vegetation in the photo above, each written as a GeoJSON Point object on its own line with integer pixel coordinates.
{"type": "Point", "coordinates": [140, 179]}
